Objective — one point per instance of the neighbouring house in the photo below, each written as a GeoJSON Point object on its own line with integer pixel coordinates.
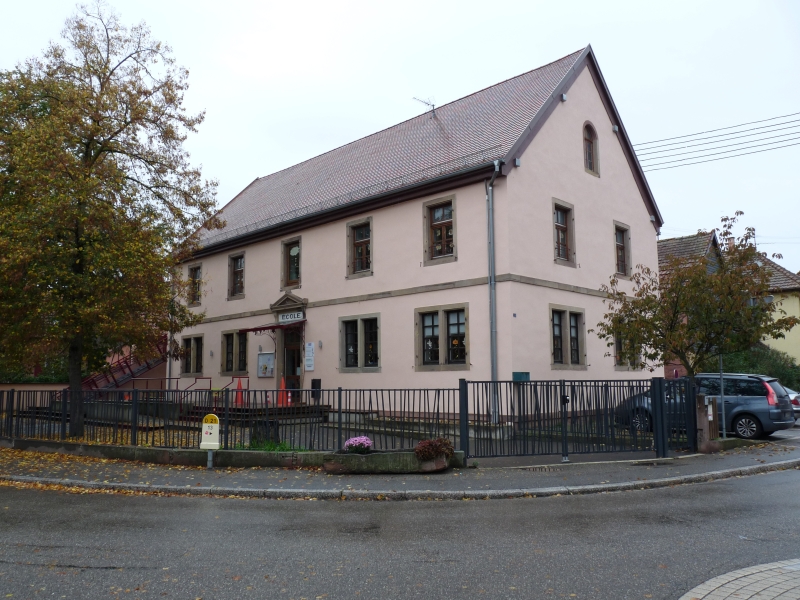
{"type": "Point", "coordinates": [468, 242]}
{"type": "Point", "coordinates": [784, 287]}
{"type": "Point", "coordinates": [687, 247]}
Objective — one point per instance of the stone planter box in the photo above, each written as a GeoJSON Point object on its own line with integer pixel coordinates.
{"type": "Point", "coordinates": [387, 461]}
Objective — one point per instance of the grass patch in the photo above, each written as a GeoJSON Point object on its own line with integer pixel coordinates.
{"type": "Point", "coordinates": [270, 446]}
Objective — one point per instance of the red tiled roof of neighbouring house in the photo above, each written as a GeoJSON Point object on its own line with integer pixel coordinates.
{"type": "Point", "coordinates": [782, 279]}
{"type": "Point", "coordinates": [688, 246]}
{"type": "Point", "coordinates": [465, 134]}
{"type": "Point", "coordinates": [699, 245]}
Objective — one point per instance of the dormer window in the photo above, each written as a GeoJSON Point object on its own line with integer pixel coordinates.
{"type": "Point", "coordinates": [590, 150]}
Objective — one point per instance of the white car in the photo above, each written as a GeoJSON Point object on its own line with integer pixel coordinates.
{"type": "Point", "coordinates": [794, 398]}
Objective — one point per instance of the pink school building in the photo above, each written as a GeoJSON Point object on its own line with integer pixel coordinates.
{"type": "Point", "coordinates": [468, 242]}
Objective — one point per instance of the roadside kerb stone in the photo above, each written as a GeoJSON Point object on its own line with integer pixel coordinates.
{"type": "Point", "coordinates": [350, 494]}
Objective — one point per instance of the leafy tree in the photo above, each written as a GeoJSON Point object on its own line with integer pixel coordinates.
{"type": "Point", "coordinates": [760, 360]}
{"type": "Point", "coordinates": [98, 200]}
{"type": "Point", "coordinates": [696, 307]}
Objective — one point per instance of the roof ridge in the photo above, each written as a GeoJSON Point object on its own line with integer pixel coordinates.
{"type": "Point", "coordinates": [374, 133]}
{"type": "Point", "coordinates": [683, 237]}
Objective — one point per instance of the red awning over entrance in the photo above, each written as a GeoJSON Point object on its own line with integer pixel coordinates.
{"type": "Point", "coordinates": [272, 327]}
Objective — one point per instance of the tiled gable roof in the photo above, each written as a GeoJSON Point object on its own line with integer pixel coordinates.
{"type": "Point", "coordinates": [468, 132]}
{"type": "Point", "coordinates": [688, 246]}
{"type": "Point", "coordinates": [782, 279]}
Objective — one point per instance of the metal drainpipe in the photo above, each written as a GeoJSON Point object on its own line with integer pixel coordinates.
{"type": "Point", "coordinates": [492, 281]}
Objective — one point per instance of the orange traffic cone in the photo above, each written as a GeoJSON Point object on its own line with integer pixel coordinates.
{"type": "Point", "coordinates": [238, 401]}
{"type": "Point", "coordinates": [282, 398]}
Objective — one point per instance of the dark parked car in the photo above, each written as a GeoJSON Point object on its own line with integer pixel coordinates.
{"type": "Point", "coordinates": [636, 411]}
{"type": "Point", "coordinates": [754, 405]}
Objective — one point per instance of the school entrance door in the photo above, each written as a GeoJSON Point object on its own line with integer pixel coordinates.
{"type": "Point", "coordinates": [293, 357]}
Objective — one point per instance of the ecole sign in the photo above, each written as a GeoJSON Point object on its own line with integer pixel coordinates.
{"type": "Point", "coordinates": [209, 438]}
{"type": "Point", "coordinates": [290, 317]}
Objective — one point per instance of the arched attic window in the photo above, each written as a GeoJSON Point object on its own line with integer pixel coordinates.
{"type": "Point", "coordinates": [590, 149]}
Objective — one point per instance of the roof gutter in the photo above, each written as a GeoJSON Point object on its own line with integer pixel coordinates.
{"type": "Point", "coordinates": [492, 279]}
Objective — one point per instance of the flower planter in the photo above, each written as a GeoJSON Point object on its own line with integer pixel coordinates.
{"type": "Point", "coordinates": [388, 461]}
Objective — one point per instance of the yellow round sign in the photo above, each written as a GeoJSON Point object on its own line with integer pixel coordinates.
{"type": "Point", "coordinates": [211, 419]}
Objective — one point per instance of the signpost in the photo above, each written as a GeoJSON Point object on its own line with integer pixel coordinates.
{"type": "Point", "coordinates": [209, 439]}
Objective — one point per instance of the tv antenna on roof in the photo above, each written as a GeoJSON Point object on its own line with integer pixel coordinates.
{"type": "Point", "coordinates": [429, 103]}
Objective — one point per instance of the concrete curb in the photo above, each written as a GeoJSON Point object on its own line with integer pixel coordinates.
{"type": "Point", "coordinates": [349, 494]}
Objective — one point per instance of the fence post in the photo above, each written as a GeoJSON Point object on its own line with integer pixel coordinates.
{"type": "Point", "coordinates": [134, 416]}
{"type": "Point", "coordinates": [463, 416]}
{"type": "Point", "coordinates": [64, 399]}
{"type": "Point", "coordinates": [690, 403]}
{"type": "Point", "coordinates": [227, 416]}
{"type": "Point", "coordinates": [564, 402]}
{"type": "Point", "coordinates": [10, 417]}
{"type": "Point", "coordinates": [339, 425]}
{"type": "Point", "coordinates": [657, 404]}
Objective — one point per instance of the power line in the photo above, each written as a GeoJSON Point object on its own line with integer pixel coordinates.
{"type": "Point", "coordinates": [784, 135]}
{"type": "Point", "coordinates": [721, 158]}
{"type": "Point", "coordinates": [719, 129]}
{"type": "Point", "coordinates": [717, 141]}
{"type": "Point", "coordinates": [666, 162]}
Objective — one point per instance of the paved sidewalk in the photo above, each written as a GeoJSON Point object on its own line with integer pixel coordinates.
{"type": "Point", "coordinates": [471, 482]}
{"type": "Point", "coordinates": [773, 581]}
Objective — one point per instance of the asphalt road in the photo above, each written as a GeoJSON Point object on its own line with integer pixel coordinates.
{"type": "Point", "coordinates": [639, 544]}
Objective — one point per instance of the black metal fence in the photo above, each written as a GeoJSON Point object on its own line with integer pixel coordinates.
{"type": "Point", "coordinates": [481, 418]}
{"type": "Point", "coordinates": [576, 417]}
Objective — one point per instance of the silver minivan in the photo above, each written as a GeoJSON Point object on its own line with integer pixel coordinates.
{"type": "Point", "coordinates": [755, 405]}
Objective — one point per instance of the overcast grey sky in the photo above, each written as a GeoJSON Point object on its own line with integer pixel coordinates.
{"type": "Point", "coordinates": [284, 81]}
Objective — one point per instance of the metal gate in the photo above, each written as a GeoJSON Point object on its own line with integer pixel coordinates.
{"type": "Point", "coordinates": [519, 418]}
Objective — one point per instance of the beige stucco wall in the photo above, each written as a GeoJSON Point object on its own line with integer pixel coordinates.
{"type": "Point", "coordinates": [552, 167]}
{"type": "Point", "coordinates": [790, 303]}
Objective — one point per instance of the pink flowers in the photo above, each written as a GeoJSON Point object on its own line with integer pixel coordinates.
{"type": "Point", "coordinates": [358, 445]}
